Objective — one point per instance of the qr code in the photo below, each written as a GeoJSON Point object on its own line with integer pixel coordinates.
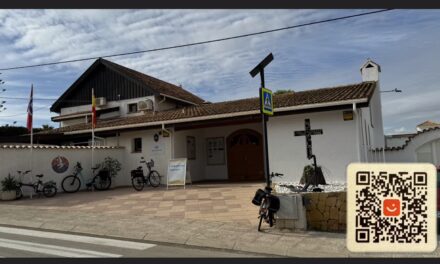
{"type": "Point", "coordinates": [391, 207]}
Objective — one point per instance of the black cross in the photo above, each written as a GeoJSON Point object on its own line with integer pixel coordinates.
{"type": "Point", "coordinates": [308, 133]}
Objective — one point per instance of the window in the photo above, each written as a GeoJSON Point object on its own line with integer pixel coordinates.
{"type": "Point", "coordinates": [132, 108]}
{"type": "Point", "coordinates": [137, 145]}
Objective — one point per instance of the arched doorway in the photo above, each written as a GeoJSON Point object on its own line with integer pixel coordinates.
{"type": "Point", "coordinates": [245, 155]}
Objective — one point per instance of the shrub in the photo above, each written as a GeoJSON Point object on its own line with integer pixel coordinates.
{"type": "Point", "coordinates": [308, 175]}
{"type": "Point", "coordinates": [111, 165]}
{"type": "Point", "coordinates": [9, 184]}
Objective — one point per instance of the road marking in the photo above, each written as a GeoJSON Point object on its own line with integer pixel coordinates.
{"type": "Point", "coordinates": [54, 250]}
{"type": "Point", "coordinates": [76, 238]}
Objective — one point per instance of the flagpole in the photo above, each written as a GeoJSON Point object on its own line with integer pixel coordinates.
{"type": "Point", "coordinates": [93, 126]}
{"type": "Point", "coordinates": [30, 124]}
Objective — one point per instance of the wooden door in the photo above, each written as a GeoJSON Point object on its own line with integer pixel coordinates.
{"type": "Point", "coordinates": [245, 156]}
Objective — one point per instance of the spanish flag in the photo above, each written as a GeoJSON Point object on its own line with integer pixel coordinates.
{"type": "Point", "coordinates": [93, 110]}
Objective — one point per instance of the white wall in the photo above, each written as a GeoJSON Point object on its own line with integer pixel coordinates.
{"type": "Point", "coordinates": [199, 168]}
{"type": "Point", "coordinates": [196, 166]}
{"type": "Point", "coordinates": [395, 141]}
{"type": "Point", "coordinates": [334, 149]}
{"type": "Point", "coordinates": [428, 141]}
{"type": "Point", "coordinates": [12, 160]}
{"type": "Point", "coordinates": [123, 110]}
{"type": "Point", "coordinates": [159, 151]}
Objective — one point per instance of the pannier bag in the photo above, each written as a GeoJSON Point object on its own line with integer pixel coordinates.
{"type": "Point", "coordinates": [137, 173]}
{"type": "Point", "coordinates": [274, 203]}
{"type": "Point", "coordinates": [258, 197]}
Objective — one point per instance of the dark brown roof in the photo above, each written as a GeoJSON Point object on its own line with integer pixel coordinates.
{"type": "Point", "coordinates": [350, 92]}
{"type": "Point", "coordinates": [161, 87]}
{"type": "Point", "coordinates": [149, 83]}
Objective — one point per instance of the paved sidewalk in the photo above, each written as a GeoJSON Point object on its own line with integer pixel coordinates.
{"type": "Point", "coordinates": [50, 214]}
{"type": "Point", "coordinates": [225, 202]}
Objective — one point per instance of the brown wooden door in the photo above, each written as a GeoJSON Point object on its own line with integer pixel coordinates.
{"type": "Point", "coordinates": [245, 156]}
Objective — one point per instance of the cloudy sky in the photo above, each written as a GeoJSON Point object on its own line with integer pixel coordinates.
{"type": "Point", "coordinates": [406, 43]}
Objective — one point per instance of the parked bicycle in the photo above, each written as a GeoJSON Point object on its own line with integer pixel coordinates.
{"type": "Point", "coordinates": [269, 204]}
{"type": "Point", "coordinates": [48, 189]}
{"type": "Point", "coordinates": [101, 180]}
{"type": "Point", "coordinates": [138, 179]}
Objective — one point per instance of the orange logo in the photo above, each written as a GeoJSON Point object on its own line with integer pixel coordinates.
{"type": "Point", "coordinates": [391, 207]}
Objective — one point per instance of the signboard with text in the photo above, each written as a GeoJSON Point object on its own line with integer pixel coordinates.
{"type": "Point", "coordinates": [176, 174]}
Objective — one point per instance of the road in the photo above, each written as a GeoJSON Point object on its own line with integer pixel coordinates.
{"type": "Point", "coordinates": [17, 242]}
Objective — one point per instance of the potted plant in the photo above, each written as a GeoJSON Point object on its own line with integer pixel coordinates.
{"type": "Point", "coordinates": [9, 188]}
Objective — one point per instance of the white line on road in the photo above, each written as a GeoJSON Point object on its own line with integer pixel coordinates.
{"type": "Point", "coordinates": [77, 238]}
{"type": "Point", "coordinates": [54, 250]}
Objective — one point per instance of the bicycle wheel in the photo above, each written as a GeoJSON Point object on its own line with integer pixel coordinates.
{"type": "Point", "coordinates": [19, 193]}
{"type": "Point", "coordinates": [49, 191]}
{"type": "Point", "coordinates": [271, 219]}
{"type": "Point", "coordinates": [154, 178]}
{"type": "Point", "coordinates": [138, 183]}
{"type": "Point", "coordinates": [259, 224]}
{"type": "Point", "coordinates": [102, 183]}
{"type": "Point", "coordinates": [71, 184]}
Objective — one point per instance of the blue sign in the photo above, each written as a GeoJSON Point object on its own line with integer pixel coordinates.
{"type": "Point", "coordinates": [266, 101]}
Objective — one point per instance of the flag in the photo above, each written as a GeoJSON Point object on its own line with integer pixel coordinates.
{"type": "Point", "coordinates": [93, 110]}
{"type": "Point", "coordinates": [30, 110]}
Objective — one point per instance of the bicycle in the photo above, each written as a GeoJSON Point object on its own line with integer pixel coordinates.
{"type": "Point", "coordinates": [269, 204]}
{"type": "Point", "coordinates": [49, 189]}
{"type": "Point", "coordinates": [101, 181]}
{"type": "Point", "coordinates": [138, 179]}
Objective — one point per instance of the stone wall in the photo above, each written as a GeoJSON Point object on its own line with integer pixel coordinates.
{"type": "Point", "coordinates": [326, 211]}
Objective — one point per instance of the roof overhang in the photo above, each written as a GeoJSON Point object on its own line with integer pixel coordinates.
{"type": "Point", "coordinates": [361, 102]}
{"type": "Point", "coordinates": [84, 114]}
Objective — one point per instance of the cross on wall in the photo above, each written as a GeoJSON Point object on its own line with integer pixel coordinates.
{"type": "Point", "coordinates": [308, 133]}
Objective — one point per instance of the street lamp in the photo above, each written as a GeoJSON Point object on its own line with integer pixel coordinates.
{"type": "Point", "coordinates": [392, 91]}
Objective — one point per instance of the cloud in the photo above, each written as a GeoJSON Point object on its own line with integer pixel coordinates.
{"type": "Point", "coordinates": [404, 42]}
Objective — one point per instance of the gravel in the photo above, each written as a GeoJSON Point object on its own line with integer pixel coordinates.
{"type": "Point", "coordinates": [290, 187]}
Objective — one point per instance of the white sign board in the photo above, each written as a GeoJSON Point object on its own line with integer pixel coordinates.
{"type": "Point", "coordinates": [176, 174]}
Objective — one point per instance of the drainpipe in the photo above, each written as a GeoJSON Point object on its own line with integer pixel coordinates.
{"type": "Point", "coordinates": [357, 132]}
{"type": "Point", "coordinates": [171, 138]}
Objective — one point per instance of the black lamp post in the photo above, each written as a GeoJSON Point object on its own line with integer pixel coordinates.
{"type": "Point", "coordinates": [392, 91]}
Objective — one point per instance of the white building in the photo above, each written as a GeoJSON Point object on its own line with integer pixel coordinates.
{"type": "Point", "coordinates": [422, 146]}
{"type": "Point", "coordinates": [222, 141]}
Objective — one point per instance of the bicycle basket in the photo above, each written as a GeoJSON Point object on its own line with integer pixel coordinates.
{"type": "Point", "coordinates": [258, 197]}
{"type": "Point", "coordinates": [104, 174]}
{"type": "Point", "coordinates": [274, 203]}
{"type": "Point", "coordinates": [137, 173]}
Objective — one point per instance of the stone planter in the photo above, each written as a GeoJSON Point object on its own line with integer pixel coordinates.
{"type": "Point", "coordinates": [9, 195]}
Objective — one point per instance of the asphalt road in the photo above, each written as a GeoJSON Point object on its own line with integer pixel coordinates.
{"type": "Point", "coordinates": [17, 242]}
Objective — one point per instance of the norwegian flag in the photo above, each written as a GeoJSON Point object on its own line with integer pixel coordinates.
{"type": "Point", "coordinates": [30, 110]}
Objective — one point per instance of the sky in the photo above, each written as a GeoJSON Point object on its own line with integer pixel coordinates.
{"type": "Point", "coordinates": [406, 43]}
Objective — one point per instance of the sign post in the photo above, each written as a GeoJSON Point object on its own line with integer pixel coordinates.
{"type": "Point", "coordinates": [266, 109]}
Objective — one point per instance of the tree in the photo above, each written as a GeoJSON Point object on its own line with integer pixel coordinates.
{"type": "Point", "coordinates": [46, 127]}
{"type": "Point", "coordinates": [278, 92]}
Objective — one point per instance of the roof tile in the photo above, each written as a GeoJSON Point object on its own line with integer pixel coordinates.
{"type": "Point", "coordinates": [362, 90]}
